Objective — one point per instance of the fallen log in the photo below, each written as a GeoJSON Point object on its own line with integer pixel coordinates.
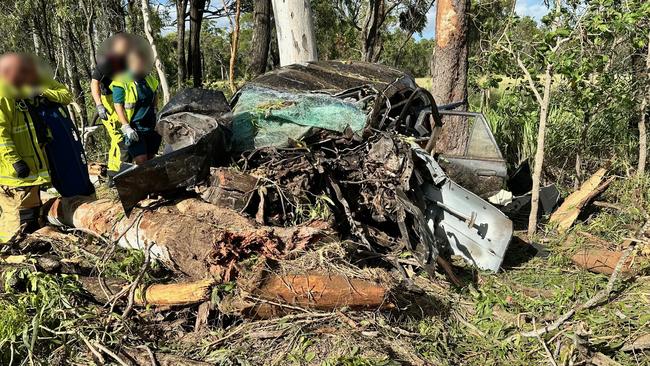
{"type": "Point", "coordinates": [570, 209]}
{"type": "Point", "coordinates": [277, 295]}
{"type": "Point", "coordinates": [171, 294]}
{"type": "Point", "coordinates": [192, 237]}
{"type": "Point", "coordinates": [600, 261]}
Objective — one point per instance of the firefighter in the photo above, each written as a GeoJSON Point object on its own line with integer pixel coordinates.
{"type": "Point", "coordinates": [110, 65]}
{"type": "Point", "coordinates": [23, 163]}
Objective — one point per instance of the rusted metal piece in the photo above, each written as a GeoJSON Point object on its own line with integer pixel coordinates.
{"type": "Point", "coordinates": [192, 237]}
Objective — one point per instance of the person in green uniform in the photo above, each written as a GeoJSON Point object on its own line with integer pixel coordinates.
{"type": "Point", "coordinates": [135, 98]}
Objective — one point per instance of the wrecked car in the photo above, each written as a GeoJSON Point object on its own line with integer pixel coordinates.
{"type": "Point", "coordinates": [355, 135]}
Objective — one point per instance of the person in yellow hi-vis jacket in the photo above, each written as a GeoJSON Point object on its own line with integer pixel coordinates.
{"type": "Point", "coordinates": [135, 95]}
{"type": "Point", "coordinates": [23, 163]}
{"type": "Point", "coordinates": [108, 66]}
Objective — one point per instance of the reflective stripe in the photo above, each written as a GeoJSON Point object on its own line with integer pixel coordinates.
{"type": "Point", "coordinates": [8, 144]}
{"type": "Point", "coordinates": [129, 105]}
{"type": "Point", "coordinates": [33, 176]}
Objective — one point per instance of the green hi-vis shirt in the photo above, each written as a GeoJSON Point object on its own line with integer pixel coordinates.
{"type": "Point", "coordinates": [144, 117]}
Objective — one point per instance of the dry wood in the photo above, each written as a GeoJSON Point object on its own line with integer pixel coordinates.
{"type": "Point", "coordinates": [568, 212]}
{"type": "Point", "coordinates": [600, 261]}
{"type": "Point", "coordinates": [639, 344]}
{"type": "Point", "coordinates": [172, 294]}
{"type": "Point", "coordinates": [276, 295]}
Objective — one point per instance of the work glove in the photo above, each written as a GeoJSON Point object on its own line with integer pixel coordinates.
{"type": "Point", "coordinates": [102, 112]}
{"type": "Point", "coordinates": [130, 133]}
{"type": "Point", "coordinates": [22, 169]}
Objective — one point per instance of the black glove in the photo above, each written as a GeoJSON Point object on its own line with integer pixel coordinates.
{"type": "Point", "coordinates": [102, 112]}
{"type": "Point", "coordinates": [22, 169]}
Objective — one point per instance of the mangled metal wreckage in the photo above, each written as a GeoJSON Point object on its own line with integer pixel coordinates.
{"type": "Point", "coordinates": [357, 136]}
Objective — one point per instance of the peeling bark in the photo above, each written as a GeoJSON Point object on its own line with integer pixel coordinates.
{"type": "Point", "coordinates": [192, 237]}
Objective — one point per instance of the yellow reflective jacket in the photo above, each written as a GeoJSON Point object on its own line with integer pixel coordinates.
{"type": "Point", "coordinates": [18, 136]}
{"type": "Point", "coordinates": [127, 83]}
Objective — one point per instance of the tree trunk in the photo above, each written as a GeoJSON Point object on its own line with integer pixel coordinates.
{"type": "Point", "coordinates": [449, 71]}
{"type": "Point", "coordinates": [372, 42]}
{"type": "Point", "coordinates": [643, 134]}
{"type": "Point", "coordinates": [89, 12]}
{"type": "Point", "coordinates": [159, 66]}
{"type": "Point", "coordinates": [541, 133]}
{"type": "Point", "coordinates": [261, 36]}
{"type": "Point", "coordinates": [539, 153]}
{"type": "Point", "coordinates": [234, 46]}
{"type": "Point", "coordinates": [181, 10]}
{"type": "Point", "coordinates": [294, 24]}
{"type": "Point", "coordinates": [134, 17]}
{"type": "Point", "coordinates": [114, 15]}
{"type": "Point", "coordinates": [70, 66]}
{"type": "Point", "coordinates": [194, 52]}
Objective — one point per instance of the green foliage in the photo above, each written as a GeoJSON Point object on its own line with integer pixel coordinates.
{"type": "Point", "coordinates": [29, 315]}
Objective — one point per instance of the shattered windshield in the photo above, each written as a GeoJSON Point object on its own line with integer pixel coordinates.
{"type": "Point", "coordinates": [265, 117]}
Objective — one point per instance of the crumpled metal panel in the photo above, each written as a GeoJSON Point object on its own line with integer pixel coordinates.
{"type": "Point", "coordinates": [335, 77]}
{"type": "Point", "coordinates": [473, 228]}
{"type": "Point", "coordinates": [183, 129]}
{"type": "Point", "coordinates": [207, 102]}
{"type": "Point", "coordinates": [195, 127]}
{"type": "Point", "coordinates": [171, 172]}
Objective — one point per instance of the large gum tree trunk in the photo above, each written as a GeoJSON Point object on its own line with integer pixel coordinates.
{"type": "Point", "coordinates": [449, 70]}
{"type": "Point", "coordinates": [294, 24]}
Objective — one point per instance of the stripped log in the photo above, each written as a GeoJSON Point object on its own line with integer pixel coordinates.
{"type": "Point", "coordinates": [170, 294]}
{"type": "Point", "coordinates": [276, 295]}
{"type": "Point", "coordinates": [192, 237]}
{"type": "Point", "coordinates": [600, 261]}
{"type": "Point", "coordinates": [176, 294]}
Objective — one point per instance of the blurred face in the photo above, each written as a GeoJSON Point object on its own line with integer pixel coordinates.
{"type": "Point", "coordinates": [17, 70]}
{"type": "Point", "coordinates": [137, 65]}
{"type": "Point", "coordinates": [120, 46]}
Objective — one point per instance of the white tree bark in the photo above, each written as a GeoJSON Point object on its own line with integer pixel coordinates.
{"type": "Point", "coordinates": [295, 30]}
{"type": "Point", "coordinates": [164, 85]}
